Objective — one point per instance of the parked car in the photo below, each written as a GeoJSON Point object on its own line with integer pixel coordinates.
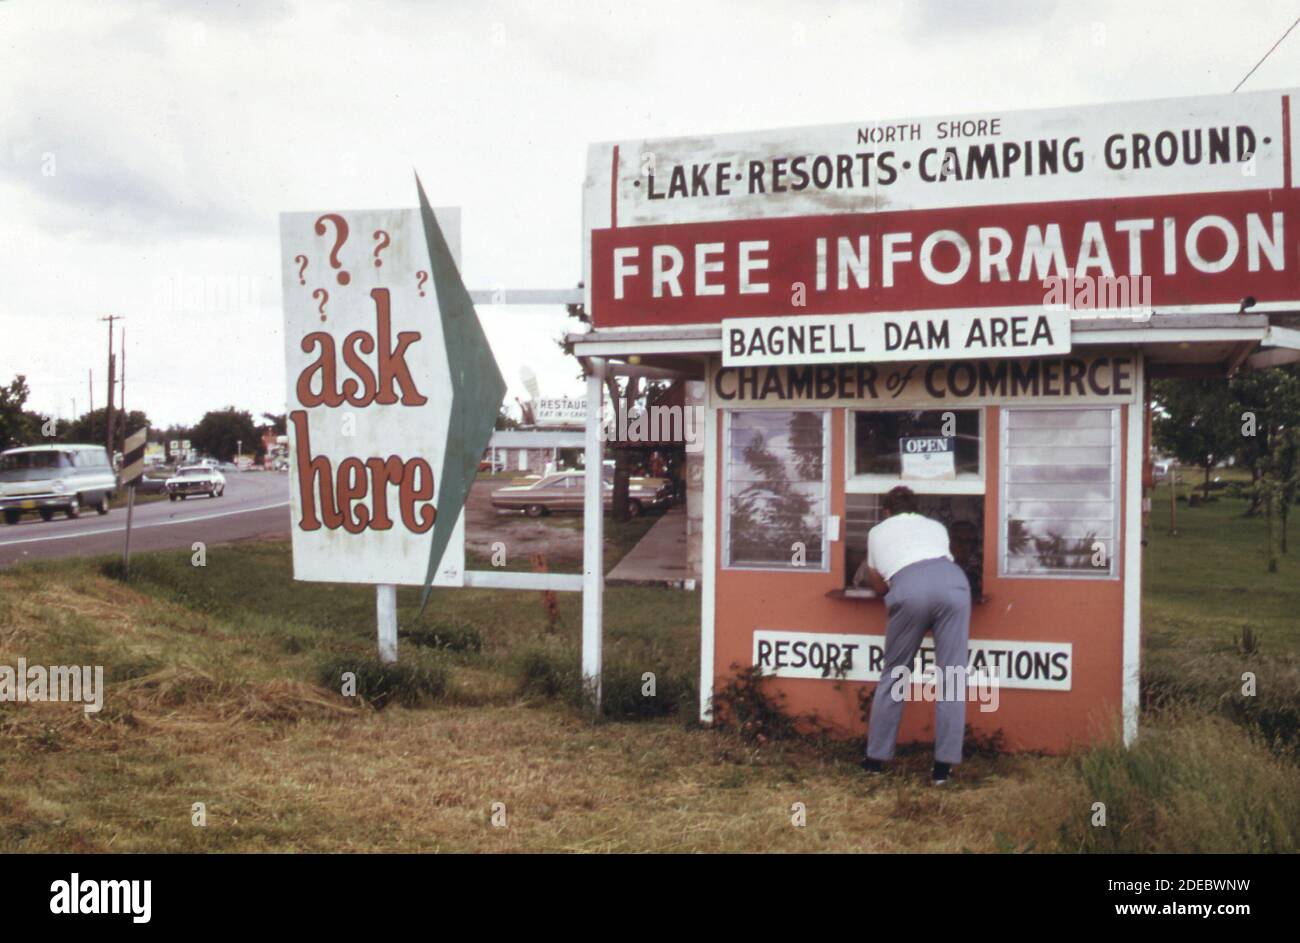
{"type": "Point", "coordinates": [564, 492]}
{"type": "Point", "coordinates": [195, 480]}
{"type": "Point", "coordinates": [51, 478]}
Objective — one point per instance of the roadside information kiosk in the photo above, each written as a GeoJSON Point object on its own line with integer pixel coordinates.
{"type": "Point", "coordinates": [973, 306]}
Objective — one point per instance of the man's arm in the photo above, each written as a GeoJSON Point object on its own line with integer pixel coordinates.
{"type": "Point", "coordinates": [867, 574]}
{"type": "Point", "coordinates": [877, 582]}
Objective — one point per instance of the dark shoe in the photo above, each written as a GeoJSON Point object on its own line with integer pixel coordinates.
{"type": "Point", "coordinates": [939, 775]}
{"type": "Point", "coordinates": [872, 767]}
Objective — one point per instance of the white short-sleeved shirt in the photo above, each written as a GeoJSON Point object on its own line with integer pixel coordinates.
{"type": "Point", "coordinates": [904, 539]}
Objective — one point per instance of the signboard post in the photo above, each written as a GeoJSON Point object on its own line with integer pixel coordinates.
{"type": "Point", "coordinates": [393, 394]}
{"type": "Point", "coordinates": [132, 471]}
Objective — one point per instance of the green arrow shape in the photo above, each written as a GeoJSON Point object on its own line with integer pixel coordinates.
{"type": "Point", "coordinates": [477, 389]}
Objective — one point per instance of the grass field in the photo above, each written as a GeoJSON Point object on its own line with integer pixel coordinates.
{"type": "Point", "coordinates": [224, 689]}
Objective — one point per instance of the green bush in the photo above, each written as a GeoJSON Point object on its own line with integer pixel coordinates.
{"type": "Point", "coordinates": [448, 636]}
{"type": "Point", "coordinates": [744, 705]}
{"type": "Point", "coordinates": [624, 694]}
{"type": "Point", "coordinates": [383, 683]}
{"type": "Point", "coordinates": [555, 673]}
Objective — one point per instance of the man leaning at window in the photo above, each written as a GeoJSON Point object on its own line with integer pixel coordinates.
{"type": "Point", "coordinates": [910, 564]}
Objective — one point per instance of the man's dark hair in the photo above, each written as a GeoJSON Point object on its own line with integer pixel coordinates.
{"type": "Point", "coordinates": [900, 500]}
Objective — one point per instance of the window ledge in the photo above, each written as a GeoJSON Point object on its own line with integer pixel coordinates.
{"type": "Point", "coordinates": [858, 595]}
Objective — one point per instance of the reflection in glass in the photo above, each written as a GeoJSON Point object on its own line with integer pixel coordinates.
{"type": "Point", "coordinates": [776, 466]}
{"type": "Point", "coordinates": [876, 435]}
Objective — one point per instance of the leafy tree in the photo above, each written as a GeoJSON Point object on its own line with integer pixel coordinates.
{"type": "Point", "coordinates": [1264, 405]}
{"type": "Point", "coordinates": [1195, 423]}
{"type": "Point", "coordinates": [277, 423]}
{"type": "Point", "coordinates": [219, 433]}
{"type": "Point", "coordinates": [91, 428]}
{"type": "Point", "coordinates": [505, 420]}
{"type": "Point", "coordinates": [17, 426]}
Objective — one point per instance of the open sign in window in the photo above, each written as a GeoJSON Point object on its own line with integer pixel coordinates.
{"type": "Point", "coordinates": [916, 446]}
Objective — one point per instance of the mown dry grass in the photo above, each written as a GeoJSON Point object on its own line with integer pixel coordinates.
{"type": "Point", "coordinates": [198, 711]}
{"type": "Point", "coordinates": [213, 697]}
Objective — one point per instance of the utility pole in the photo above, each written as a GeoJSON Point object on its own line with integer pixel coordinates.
{"type": "Point", "coordinates": [90, 379]}
{"type": "Point", "coordinates": [112, 381]}
{"type": "Point", "coordinates": [125, 414]}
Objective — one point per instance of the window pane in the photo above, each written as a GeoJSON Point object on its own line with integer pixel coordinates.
{"type": "Point", "coordinates": [776, 466]}
{"type": "Point", "coordinates": [1061, 478]}
{"type": "Point", "coordinates": [876, 435]}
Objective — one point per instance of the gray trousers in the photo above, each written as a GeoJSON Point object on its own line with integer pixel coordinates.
{"type": "Point", "coordinates": [932, 595]}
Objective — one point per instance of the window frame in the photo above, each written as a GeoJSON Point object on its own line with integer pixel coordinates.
{"type": "Point", "coordinates": [725, 469]}
{"type": "Point", "coordinates": [1118, 467]}
{"type": "Point", "coordinates": [881, 484]}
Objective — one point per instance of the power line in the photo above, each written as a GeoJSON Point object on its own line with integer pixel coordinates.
{"type": "Point", "coordinates": [1269, 53]}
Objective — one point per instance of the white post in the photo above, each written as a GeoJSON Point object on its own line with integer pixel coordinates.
{"type": "Point", "coordinates": [386, 608]}
{"type": "Point", "coordinates": [708, 550]}
{"type": "Point", "coordinates": [593, 536]}
{"type": "Point", "coordinates": [1131, 561]}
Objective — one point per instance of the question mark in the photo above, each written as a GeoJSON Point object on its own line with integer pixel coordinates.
{"type": "Point", "coordinates": [324, 296]}
{"type": "Point", "coordinates": [382, 245]}
{"type": "Point", "coordinates": [340, 237]}
{"type": "Point", "coordinates": [301, 268]}
{"type": "Point", "coordinates": [421, 277]}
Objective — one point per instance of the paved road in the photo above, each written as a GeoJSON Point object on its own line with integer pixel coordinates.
{"type": "Point", "coordinates": [256, 504]}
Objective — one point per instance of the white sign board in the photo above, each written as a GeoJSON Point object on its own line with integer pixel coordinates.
{"type": "Point", "coordinates": [948, 212]}
{"type": "Point", "coordinates": [369, 392]}
{"type": "Point", "coordinates": [1044, 666]}
{"type": "Point", "coordinates": [928, 458]}
{"type": "Point", "coordinates": [559, 411]}
{"type": "Point", "coordinates": [903, 335]}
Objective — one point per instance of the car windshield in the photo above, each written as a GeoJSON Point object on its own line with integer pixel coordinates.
{"type": "Point", "coordinates": [23, 461]}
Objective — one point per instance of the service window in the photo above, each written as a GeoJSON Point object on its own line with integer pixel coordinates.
{"type": "Point", "coordinates": [962, 514]}
{"type": "Point", "coordinates": [1060, 492]}
{"type": "Point", "coordinates": [939, 454]}
{"type": "Point", "coordinates": [776, 481]}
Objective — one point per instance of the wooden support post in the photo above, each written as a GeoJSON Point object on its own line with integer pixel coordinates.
{"type": "Point", "coordinates": [593, 536]}
{"type": "Point", "coordinates": [386, 609]}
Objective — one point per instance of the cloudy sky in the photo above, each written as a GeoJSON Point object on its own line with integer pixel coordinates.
{"type": "Point", "coordinates": [146, 148]}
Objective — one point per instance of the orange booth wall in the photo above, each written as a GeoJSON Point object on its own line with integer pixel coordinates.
{"type": "Point", "coordinates": [1089, 613]}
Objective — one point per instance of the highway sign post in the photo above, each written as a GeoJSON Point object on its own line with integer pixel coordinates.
{"type": "Point", "coordinates": [132, 471]}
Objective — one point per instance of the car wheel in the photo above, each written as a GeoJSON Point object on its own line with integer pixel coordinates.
{"type": "Point", "coordinates": [182, 497]}
{"type": "Point", "coordinates": [47, 514]}
{"type": "Point", "coordinates": [534, 510]}
{"type": "Point", "coordinates": [102, 506]}
{"type": "Point", "coordinates": [12, 516]}
{"type": "Point", "coordinates": [74, 509]}
{"type": "Point", "coordinates": [171, 497]}
{"type": "Point", "coordinates": [634, 508]}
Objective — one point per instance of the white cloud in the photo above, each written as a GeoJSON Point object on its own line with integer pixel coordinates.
{"type": "Point", "coordinates": [180, 131]}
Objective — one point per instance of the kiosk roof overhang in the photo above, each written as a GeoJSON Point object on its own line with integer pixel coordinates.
{"type": "Point", "coordinates": [1174, 344]}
